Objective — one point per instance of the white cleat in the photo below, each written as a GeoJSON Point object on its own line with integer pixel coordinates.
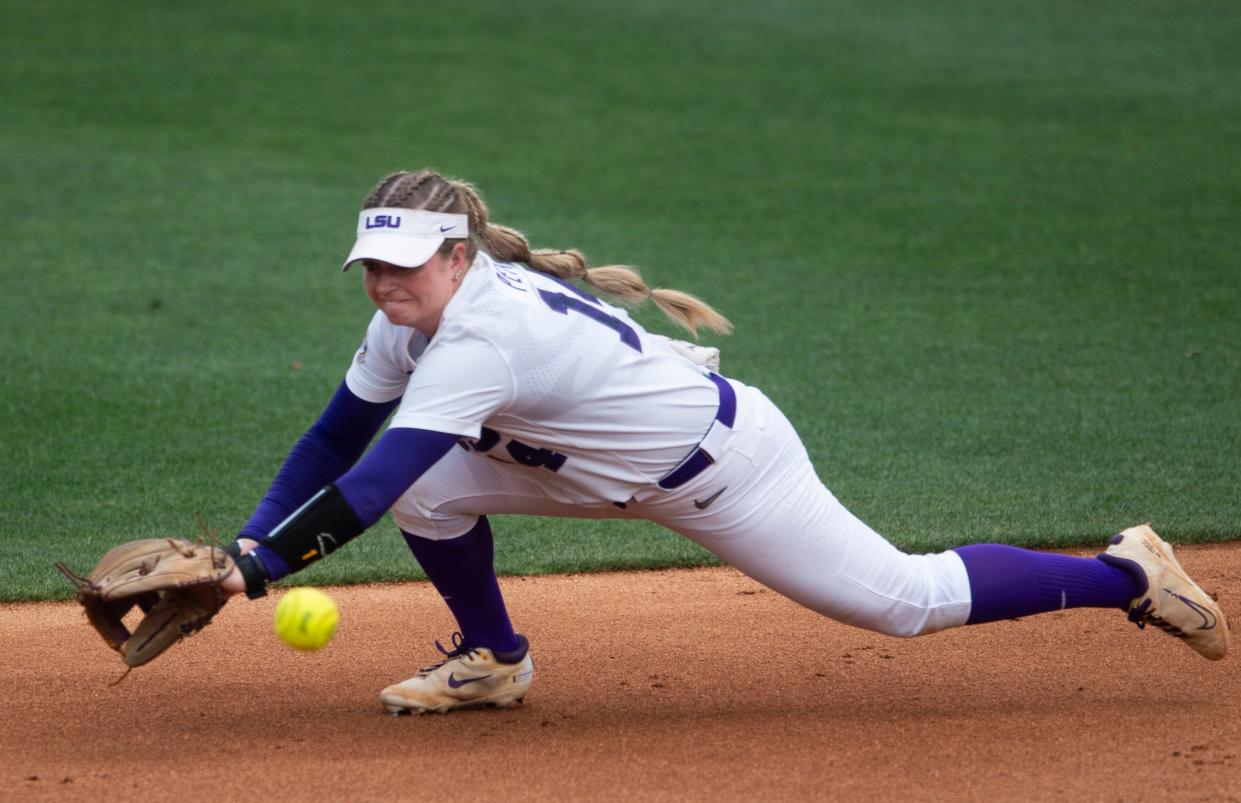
{"type": "Point", "coordinates": [1172, 602]}
{"type": "Point", "coordinates": [468, 677]}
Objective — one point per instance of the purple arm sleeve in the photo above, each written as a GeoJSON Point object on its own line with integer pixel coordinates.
{"type": "Point", "coordinates": [326, 451]}
{"type": "Point", "coordinates": [372, 486]}
{"type": "Point", "coordinates": [399, 458]}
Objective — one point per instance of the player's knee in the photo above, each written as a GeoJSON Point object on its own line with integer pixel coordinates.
{"type": "Point", "coordinates": [908, 624]}
{"type": "Point", "coordinates": [420, 511]}
{"type": "Point", "coordinates": [910, 618]}
{"type": "Point", "coordinates": [432, 527]}
{"type": "Point", "coordinates": [934, 596]}
{"type": "Point", "coordinates": [915, 614]}
{"type": "Point", "coordinates": [886, 616]}
{"type": "Point", "coordinates": [413, 526]}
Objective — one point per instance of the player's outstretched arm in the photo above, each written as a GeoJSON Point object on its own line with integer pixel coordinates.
{"type": "Point", "coordinates": [340, 511]}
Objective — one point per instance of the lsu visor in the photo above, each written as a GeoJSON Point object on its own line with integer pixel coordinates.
{"type": "Point", "coordinates": [404, 237]}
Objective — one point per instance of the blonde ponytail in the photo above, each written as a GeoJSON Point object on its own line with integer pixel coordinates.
{"type": "Point", "coordinates": [426, 189]}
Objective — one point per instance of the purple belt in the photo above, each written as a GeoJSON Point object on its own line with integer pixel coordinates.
{"type": "Point", "coordinates": [716, 436]}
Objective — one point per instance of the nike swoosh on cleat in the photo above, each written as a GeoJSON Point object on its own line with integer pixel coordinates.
{"type": "Point", "coordinates": [1208, 618]}
{"type": "Point", "coordinates": [453, 683]}
{"type": "Point", "coordinates": [703, 504]}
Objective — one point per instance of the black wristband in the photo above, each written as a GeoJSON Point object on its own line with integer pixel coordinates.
{"type": "Point", "coordinates": [255, 574]}
{"type": "Point", "coordinates": [316, 529]}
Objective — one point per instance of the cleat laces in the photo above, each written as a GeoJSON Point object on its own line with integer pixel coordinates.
{"type": "Point", "coordinates": [1141, 616]}
{"type": "Point", "coordinates": [459, 650]}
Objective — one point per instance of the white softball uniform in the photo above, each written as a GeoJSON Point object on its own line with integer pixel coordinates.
{"type": "Point", "coordinates": [572, 409]}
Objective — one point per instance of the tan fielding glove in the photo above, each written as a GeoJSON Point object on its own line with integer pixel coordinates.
{"type": "Point", "coordinates": [176, 584]}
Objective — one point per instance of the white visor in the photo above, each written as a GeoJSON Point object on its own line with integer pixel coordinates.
{"type": "Point", "coordinates": [404, 237]}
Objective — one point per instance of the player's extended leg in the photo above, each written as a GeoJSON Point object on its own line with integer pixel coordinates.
{"type": "Point", "coordinates": [762, 508]}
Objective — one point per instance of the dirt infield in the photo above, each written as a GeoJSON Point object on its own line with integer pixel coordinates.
{"type": "Point", "coordinates": [677, 685]}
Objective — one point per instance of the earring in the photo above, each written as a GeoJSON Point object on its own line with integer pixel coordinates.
{"type": "Point", "coordinates": [456, 277]}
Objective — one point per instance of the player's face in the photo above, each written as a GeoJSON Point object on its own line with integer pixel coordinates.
{"type": "Point", "coordinates": [415, 296]}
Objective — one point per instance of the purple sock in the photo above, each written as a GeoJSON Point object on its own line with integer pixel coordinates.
{"type": "Point", "coordinates": [461, 570]}
{"type": "Point", "coordinates": [1007, 582]}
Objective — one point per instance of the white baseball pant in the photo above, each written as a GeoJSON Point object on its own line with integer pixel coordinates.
{"type": "Point", "coordinates": [766, 513]}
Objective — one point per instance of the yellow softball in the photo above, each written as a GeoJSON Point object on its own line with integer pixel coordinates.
{"type": "Point", "coordinates": [306, 618]}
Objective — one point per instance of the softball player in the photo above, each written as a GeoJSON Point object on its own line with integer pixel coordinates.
{"type": "Point", "coordinates": [511, 390]}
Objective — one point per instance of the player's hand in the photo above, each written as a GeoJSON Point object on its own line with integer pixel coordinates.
{"type": "Point", "coordinates": [234, 583]}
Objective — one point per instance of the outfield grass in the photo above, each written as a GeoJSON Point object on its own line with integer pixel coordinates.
{"type": "Point", "coordinates": [986, 257]}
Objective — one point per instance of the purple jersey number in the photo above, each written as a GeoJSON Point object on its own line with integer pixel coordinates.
{"type": "Point", "coordinates": [559, 302]}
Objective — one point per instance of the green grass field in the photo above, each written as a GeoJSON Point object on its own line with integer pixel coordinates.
{"type": "Point", "coordinates": [985, 256]}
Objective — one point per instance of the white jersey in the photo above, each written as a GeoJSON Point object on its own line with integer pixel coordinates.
{"type": "Point", "coordinates": [540, 373]}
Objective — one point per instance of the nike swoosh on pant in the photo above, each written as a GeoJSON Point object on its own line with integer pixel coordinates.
{"type": "Point", "coordinates": [702, 504]}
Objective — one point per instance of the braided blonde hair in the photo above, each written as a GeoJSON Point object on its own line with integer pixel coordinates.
{"type": "Point", "coordinates": [426, 189]}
